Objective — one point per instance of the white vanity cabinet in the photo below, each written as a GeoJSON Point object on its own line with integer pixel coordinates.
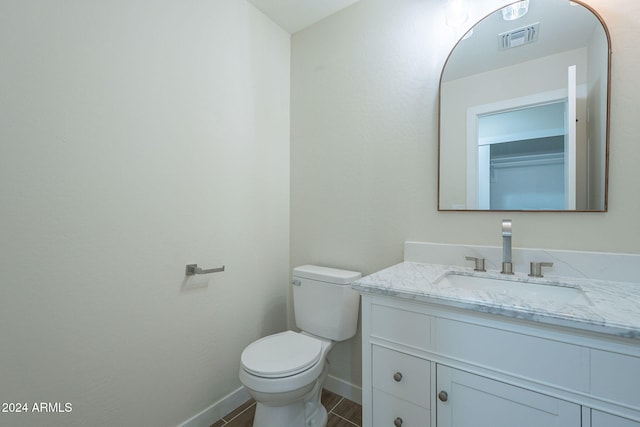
{"type": "Point", "coordinates": [431, 365]}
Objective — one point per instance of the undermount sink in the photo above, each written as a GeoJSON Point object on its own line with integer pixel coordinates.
{"type": "Point", "coordinates": [524, 290]}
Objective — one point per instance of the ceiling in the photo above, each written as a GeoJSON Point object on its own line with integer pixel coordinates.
{"type": "Point", "coordinates": [295, 15]}
{"type": "Point", "coordinates": [562, 27]}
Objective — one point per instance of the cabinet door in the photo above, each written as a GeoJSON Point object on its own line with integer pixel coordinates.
{"type": "Point", "coordinates": [601, 419]}
{"type": "Point", "coordinates": [468, 400]}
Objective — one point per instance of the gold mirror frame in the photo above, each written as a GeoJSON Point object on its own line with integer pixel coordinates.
{"type": "Point", "coordinates": [606, 123]}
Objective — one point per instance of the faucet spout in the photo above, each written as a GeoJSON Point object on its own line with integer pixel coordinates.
{"type": "Point", "coordinates": [507, 232]}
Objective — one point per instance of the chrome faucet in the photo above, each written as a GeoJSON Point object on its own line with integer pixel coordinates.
{"type": "Point", "coordinates": [507, 265]}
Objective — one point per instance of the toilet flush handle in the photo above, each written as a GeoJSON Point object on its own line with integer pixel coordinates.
{"type": "Point", "coordinates": [296, 282]}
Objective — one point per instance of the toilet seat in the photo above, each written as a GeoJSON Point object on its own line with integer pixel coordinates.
{"type": "Point", "coordinates": [281, 355]}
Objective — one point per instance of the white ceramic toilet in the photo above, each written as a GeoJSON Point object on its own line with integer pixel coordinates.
{"type": "Point", "coordinates": [285, 372]}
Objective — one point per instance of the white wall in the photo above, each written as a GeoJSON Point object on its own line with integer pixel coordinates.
{"type": "Point", "coordinates": [137, 137]}
{"type": "Point", "coordinates": [365, 145]}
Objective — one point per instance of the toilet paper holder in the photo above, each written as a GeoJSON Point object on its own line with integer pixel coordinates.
{"type": "Point", "coordinates": [193, 269]}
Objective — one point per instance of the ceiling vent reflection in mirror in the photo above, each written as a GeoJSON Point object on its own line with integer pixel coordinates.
{"type": "Point", "coordinates": [519, 36]}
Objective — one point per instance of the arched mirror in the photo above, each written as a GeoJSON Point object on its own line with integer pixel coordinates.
{"type": "Point", "coordinates": [524, 112]}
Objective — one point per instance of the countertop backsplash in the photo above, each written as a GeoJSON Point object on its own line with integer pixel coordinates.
{"type": "Point", "coordinates": [607, 266]}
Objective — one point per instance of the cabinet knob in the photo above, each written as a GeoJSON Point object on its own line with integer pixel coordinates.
{"type": "Point", "coordinates": [397, 376]}
{"type": "Point", "coordinates": [397, 422]}
{"type": "Point", "coordinates": [443, 396]}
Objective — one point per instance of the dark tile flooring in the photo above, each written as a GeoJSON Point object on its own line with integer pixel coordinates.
{"type": "Point", "coordinates": [342, 413]}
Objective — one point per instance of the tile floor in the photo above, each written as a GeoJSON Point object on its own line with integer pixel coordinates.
{"type": "Point", "coordinates": [342, 413]}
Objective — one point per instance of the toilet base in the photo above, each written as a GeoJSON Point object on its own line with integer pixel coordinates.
{"type": "Point", "coordinates": [292, 415]}
{"type": "Point", "coordinates": [279, 416]}
{"type": "Point", "coordinates": [305, 412]}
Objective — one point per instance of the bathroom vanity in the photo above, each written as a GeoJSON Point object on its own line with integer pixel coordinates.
{"type": "Point", "coordinates": [443, 348]}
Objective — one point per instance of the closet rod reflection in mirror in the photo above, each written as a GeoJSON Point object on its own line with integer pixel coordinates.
{"type": "Point", "coordinates": [524, 113]}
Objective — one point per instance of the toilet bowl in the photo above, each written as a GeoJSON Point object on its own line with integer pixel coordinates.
{"type": "Point", "coordinates": [285, 372]}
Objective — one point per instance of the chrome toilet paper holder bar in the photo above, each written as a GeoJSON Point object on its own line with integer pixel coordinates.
{"type": "Point", "coordinates": [193, 269]}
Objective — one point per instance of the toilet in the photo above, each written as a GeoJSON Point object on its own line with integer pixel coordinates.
{"type": "Point", "coordinates": [285, 372]}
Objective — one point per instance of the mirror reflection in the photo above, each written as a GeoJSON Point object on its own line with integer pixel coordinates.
{"type": "Point", "coordinates": [524, 106]}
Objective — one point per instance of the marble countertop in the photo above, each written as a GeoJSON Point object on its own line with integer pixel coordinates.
{"type": "Point", "coordinates": [612, 308]}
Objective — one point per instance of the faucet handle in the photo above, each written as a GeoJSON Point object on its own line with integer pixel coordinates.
{"type": "Point", "coordinates": [507, 228]}
{"type": "Point", "coordinates": [479, 263]}
{"type": "Point", "coordinates": [536, 268]}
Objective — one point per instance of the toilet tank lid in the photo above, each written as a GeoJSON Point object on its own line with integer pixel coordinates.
{"type": "Point", "coordinates": [326, 274]}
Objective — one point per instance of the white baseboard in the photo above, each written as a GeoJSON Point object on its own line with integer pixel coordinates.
{"type": "Point", "coordinates": [218, 410]}
{"type": "Point", "coordinates": [344, 389]}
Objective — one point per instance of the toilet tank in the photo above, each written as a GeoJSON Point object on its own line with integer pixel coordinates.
{"type": "Point", "coordinates": [324, 303]}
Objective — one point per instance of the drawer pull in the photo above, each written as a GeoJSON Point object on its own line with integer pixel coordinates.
{"type": "Point", "coordinates": [397, 377]}
{"type": "Point", "coordinates": [443, 396]}
{"type": "Point", "coordinates": [397, 422]}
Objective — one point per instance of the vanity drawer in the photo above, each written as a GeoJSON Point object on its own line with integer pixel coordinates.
{"type": "Point", "coordinates": [391, 324]}
{"type": "Point", "coordinates": [387, 409]}
{"type": "Point", "coordinates": [401, 375]}
{"type": "Point", "coordinates": [615, 376]}
{"type": "Point", "coordinates": [540, 359]}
